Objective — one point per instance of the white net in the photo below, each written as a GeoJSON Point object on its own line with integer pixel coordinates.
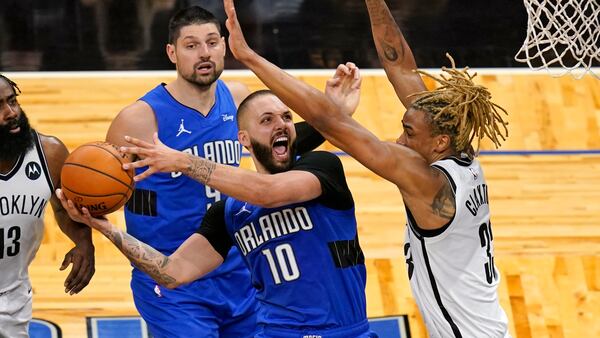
{"type": "Point", "coordinates": [563, 36]}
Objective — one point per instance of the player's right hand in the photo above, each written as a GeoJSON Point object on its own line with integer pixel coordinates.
{"type": "Point", "coordinates": [83, 216]}
{"type": "Point", "coordinates": [237, 43]}
{"type": "Point", "coordinates": [344, 87]}
{"type": "Point", "coordinates": [158, 157]}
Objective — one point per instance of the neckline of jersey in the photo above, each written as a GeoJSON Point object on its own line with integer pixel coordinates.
{"type": "Point", "coordinates": [164, 87]}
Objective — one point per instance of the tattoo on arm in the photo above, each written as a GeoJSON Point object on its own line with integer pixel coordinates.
{"type": "Point", "coordinates": [389, 51]}
{"type": "Point", "coordinates": [391, 42]}
{"type": "Point", "coordinates": [443, 203]}
{"type": "Point", "coordinates": [378, 12]}
{"type": "Point", "coordinates": [142, 255]}
{"type": "Point", "coordinates": [200, 169]}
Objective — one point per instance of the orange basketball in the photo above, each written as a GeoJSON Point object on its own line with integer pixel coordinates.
{"type": "Point", "coordinates": [93, 177]}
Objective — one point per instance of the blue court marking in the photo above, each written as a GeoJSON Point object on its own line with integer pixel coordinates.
{"type": "Point", "coordinates": [116, 327]}
{"type": "Point", "coordinates": [39, 328]}
{"type": "Point", "coordinates": [135, 327]}
{"type": "Point", "coordinates": [511, 152]}
{"type": "Point", "coordinates": [390, 327]}
{"type": "Point", "coordinates": [541, 152]}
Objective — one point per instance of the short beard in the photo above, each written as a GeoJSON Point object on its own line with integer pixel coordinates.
{"type": "Point", "coordinates": [264, 156]}
{"type": "Point", "coordinates": [203, 81]}
{"type": "Point", "coordinates": [13, 145]}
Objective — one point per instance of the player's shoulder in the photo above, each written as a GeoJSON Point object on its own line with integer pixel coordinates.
{"type": "Point", "coordinates": [457, 164]}
{"type": "Point", "coordinates": [236, 86]}
{"type": "Point", "coordinates": [136, 110]}
{"type": "Point", "coordinates": [320, 155]}
{"type": "Point", "coordinates": [135, 120]}
{"type": "Point", "coordinates": [239, 91]}
{"type": "Point", "coordinates": [319, 159]}
{"type": "Point", "coordinates": [56, 153]}
{"type": "Point", "coordinates": [52, 145]}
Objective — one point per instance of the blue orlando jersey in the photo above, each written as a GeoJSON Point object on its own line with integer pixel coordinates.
{"type": "Point", "coordinates": [305, 258]}
{"type": "Point", "coordinates": [167, 208]}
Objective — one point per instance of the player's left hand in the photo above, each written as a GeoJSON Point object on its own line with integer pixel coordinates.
{"type": "Point", "coordinates": [82, 258]}
{"type": "Point", "coordinates": [344, 87]}
{"type": "Point", "coordinates": [157, 157]}
{"type": "Point", "coordinates": [237, 43]}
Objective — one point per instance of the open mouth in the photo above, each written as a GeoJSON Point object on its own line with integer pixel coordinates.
{"type": "Point", "coordinates": [205, 68]}
{"type": "Point", "coordinates": [281, 146]}
{"type": "Point", "coordinates": [14, 128]}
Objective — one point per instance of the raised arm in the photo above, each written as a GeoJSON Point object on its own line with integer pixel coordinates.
{"type": "Point", "coordinates": [259, 189]}
{"type": "Point", "coordinates": [394, 53]}
{"type": "Point", "coordinates": [395, 163]}
{"type": "Point", "coordinates": [82, 255]}
{"type": "Point", "coordinates": [307, 137]}
{"type": "Point", "coordinates": [193, 259]}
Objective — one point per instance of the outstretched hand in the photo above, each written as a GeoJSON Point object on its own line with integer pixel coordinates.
{"type": "Point", "coordinates": [82, 259]}
{"type": "Point", "coordinates": [344, 87]}
{"type": "Point", "coordinates": [157, 157]}
{"type": "Point", "coordinates": [237, 43]}
{"type": "Point", "coordinates": [82, 215]}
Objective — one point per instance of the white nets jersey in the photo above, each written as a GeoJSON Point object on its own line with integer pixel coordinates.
{"type": "Point", "coordinates": [24, 192]}
{"type": "Point", "coordinates": [451, 270]}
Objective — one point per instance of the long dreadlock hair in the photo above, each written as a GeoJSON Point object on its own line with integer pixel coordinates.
{"type": "Point", "coordinates": [12, 84]}
{"type": "Point", "coordinates": [461, 109]}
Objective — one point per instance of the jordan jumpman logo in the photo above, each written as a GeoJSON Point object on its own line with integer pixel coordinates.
{"type": "Point", "coordinates": [182, 129]}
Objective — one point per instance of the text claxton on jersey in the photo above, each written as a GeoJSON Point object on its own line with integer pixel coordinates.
{"type": "Point", "coordinates": [22, 205]}
{"type": "Point", "coordinates": [272, 225]}
{"type": "Point", "coordinates": [477, 198]}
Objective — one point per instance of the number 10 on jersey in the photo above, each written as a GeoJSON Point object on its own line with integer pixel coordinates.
{"type": "Point", "coordinates": [282, 263]}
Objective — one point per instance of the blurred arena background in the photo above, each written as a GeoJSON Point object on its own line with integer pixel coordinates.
{"type": "Point", "coordinates": [78, 62]}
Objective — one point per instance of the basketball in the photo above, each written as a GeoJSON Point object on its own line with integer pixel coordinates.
{"type": "Point", "coordinates": [93, 177]}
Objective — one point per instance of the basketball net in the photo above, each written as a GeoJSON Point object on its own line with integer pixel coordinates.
{"type": "Point", "coordinates": [562, 33]}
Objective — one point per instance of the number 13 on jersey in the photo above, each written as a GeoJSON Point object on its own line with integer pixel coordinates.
{"type": "Point", "coordinates": [13, 246]}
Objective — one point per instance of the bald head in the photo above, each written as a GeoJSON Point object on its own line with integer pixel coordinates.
{"type": "Point", "coordinates": [252, 103]}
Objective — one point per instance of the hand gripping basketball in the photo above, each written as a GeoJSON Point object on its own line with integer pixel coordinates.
{"type": "Point", "coordinates": [92, 177]}
{"type": "Point", "coordinates": [156, 156]}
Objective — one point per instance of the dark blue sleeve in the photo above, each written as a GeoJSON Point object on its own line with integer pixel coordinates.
{"type": "Point", "coordinates": [330, 172]}
{"type": "Point", "coordinates": [213, 227]}
{"type": "Point", "coordinates": [307, 138]}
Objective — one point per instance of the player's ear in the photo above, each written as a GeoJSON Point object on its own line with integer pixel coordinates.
{"type": "Point", "coordinates": [442, 143]}
{"type": "Point", "coordinates": [244, 138]}
{"type": "Point", "coordinates": [170, 49]}
{"type": "Point", "coordinates": [224, 46]}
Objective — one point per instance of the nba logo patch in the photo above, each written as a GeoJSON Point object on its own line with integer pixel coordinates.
{"type": "Point", "coordinates": [474, 173]}
{"type": "Point", "coordinates": [157, 290]}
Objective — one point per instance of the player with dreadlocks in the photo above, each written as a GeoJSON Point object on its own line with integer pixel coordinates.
{"type": "Point", "coordinates": [448, 238]}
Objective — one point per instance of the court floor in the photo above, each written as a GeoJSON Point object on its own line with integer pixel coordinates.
{"type": "Point", "coordinates": [544, 190]}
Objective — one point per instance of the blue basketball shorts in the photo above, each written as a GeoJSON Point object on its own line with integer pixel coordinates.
{"type": "Point", "coordinates": [223, 306]}
{"type": "Point", "coordinates": [359, 330]}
